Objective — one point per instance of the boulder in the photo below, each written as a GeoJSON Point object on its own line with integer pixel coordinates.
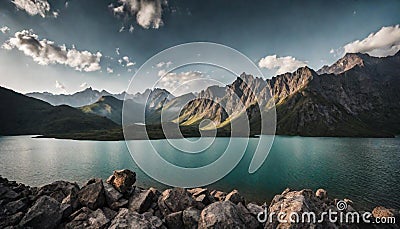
{"type": "Point", "coordinates": [111, 193]}
{"type": "Point", "coordinates": [121, 203]}
{"type": "Point", "coordinates": [45, 213]}
{"type": "Point", "coordinates": [7, 194]}
{"type": "Point", "coordinates": [86, 218]}
{"type": "Point", "coordinates": [249, 219]}
{"type": "Point", "coordinates": [141, 201]}
{"type": "Point", "coordinates": [92, 194]}
{"type": "Point", "coordinates": [109, 213]}
{"type": "Point", "coordinates": [235, 197]}
{"type": "Point", "coordinates": [190, 217]}
{"type": "Point", "coordinates": [382, 212]}
{"type": "Point", "coordinates": [174, 220]}
{"type": "Point", "coordinates": [11, 220]}
{"type": "Point", "coordinates": [254, 209]}
{"type": "Point", "coordinates": [321, 194]}
{"type": "Point", "coordinates": [174, 200]}
{"type": "Point", "coordinates": [224, 214]}
{"type": "Point", "coordinates": [15, 206]}
{"type": "Point", "coordinates": [72, 199]}
{"type": "Point", "coordinates": [130, 220]}
{"type": "Point", "coordinates": [292, 202]}
{"type": "Point", "coordinates": [201, 195]}
{"type": "Point", "coordinates": [58, 190]}
{"type": "Point", "coordinates": [122, 180]}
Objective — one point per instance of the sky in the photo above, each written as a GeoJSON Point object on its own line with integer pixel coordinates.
{"type": "Point", "coordinates": [64, 46]}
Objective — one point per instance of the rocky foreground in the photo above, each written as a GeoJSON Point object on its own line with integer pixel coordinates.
{"type": "Point", "coordinates": [117, 203]}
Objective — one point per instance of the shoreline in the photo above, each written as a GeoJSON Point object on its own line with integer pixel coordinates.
{"type": "Point", "coordinates": [117, 201]}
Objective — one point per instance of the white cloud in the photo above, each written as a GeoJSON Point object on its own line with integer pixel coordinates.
{"type": "Point", "coordinates": [281, 64]}
{"type": "Point", "coordinates": [83, 85]}
{"type": "Point", "coordinates": [148, 13]}
{"type": "Point", "coordinates": [332, 51]}
{"type": "Point", "coordinates": [385, 42]}
{"type": "Point", "coordinates": [46, 52]}
{"type": "Point", "coordinates": [183, 82]}
{"type": "Point", "coordinates": [122, 29]}
{"type": "Point", "coordinates": [162, 64]}
{"type": "Point", "coordinates": [117, 51]}
{"type": "Point", "coordinates": [66, 4]}
{"type": "Point", "coordinates": [110, 70]}
{"type": "Point", "coordinates": [128, 63]}
{"type": "Point", "coordinates": [60, 86]}
{"type": "Point", "coordinates": [33, 7]}
{"type": "Point", "coordinates": [5, 29]}
{"type": "Point", "coordinates": [161, 73]}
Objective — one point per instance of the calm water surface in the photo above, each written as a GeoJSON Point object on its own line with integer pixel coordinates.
{"type": "Point", "coordinates": [365, 170]}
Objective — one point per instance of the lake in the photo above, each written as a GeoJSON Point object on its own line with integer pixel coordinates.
{"type": "Point", "coordinates": [365, 170]}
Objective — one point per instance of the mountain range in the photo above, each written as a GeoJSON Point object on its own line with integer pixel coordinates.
{"type": "Point", "coordinates": [356, 96]}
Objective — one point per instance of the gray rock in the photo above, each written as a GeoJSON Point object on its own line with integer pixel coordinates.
{"type": "Point", "coordinates": [111, 194]}
{"type": "Point", "coordinates": [45, 213]}
{"type": "Point", "coordinates": [7, 194]}
{"type": "Point", "coordinates": [122, 180]}
{"type": "Point", "coordinates": [121, 203]}
{"type": "Point", "coordinates": [249, 219]}
{"type": "Point", "coordinates": [66, 210]}
{"type": "Point", "coordinates": [109, 213]}
{"type": "Point", "coordinates": [92, 194]}
{"type": "Point", "coordinates": [222, 215]}
{"type": "Point", "coordinates": [235, 197]}
{"type": "Point", "coordinates": [294, 201]}
{"type": "Point", "coordinates": [174, 200]}
{"type": "Point", "coordinates": [86, 218]}
{"type": "Point", "coordinates": [15, 206]}
{"type": "Point", "coordinates": [130, 220]}
{"type": "Point", "coordinates": [190, 217]}
{"type": "Point", "coordinates": [11, 220]}
{"type": "Point", "coordinates": [72, 199]}
{"type": "Point", "coordinates": [58, 190]}
{"type": "Point", "coordinates": [141, 201]}
{"type": "Point", "coordinates": [174, 220]}
{"type": "Point", "coordinates": [254, 209]}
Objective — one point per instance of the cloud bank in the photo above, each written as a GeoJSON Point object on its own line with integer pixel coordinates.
{"type": "Point", "coordinates": [281, 64]}
{"type": "Point", "coordinates": [148, 13]}
{"type": "Point", "coordinates": [45, 52]}
{"type": "Point", "coordinates": [385, 42]}
{"type": "Point", "coordinates": [34, 7]}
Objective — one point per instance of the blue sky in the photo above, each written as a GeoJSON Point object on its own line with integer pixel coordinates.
{"type": "Point", "coordinates": [278, 36]}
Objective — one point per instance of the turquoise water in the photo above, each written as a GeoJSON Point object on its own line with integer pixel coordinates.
{"type": "Point", "coordinates": [364, 170]}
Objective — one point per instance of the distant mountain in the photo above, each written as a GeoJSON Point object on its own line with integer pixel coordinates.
{"type": "Point", "coordinates": [78, 99]}
{"type": "Point", "coordinates": [111, 108]}
{"type": "Point", "coordinates": [359, 99]}
{"type": "Point", "coordinates": [21, 114]}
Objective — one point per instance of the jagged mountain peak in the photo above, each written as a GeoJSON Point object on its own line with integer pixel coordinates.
{"type": "Point", "coordinates": [347, 62]}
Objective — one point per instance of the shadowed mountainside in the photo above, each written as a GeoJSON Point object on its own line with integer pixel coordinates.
{"type": "Point", "coordinates": [24, 115]}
